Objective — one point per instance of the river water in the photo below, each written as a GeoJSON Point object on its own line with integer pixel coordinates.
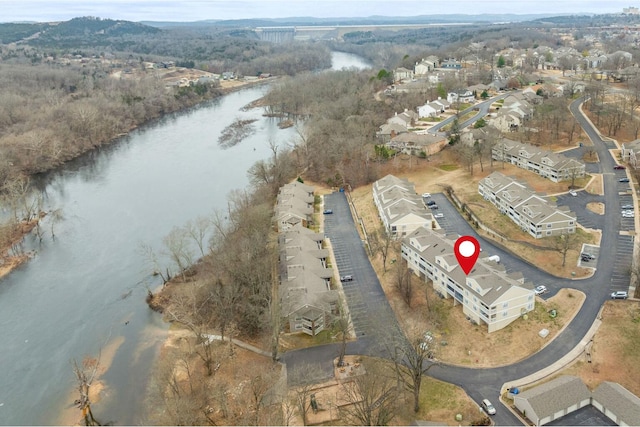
{"type": "Point", "coordinates": [83, 293]}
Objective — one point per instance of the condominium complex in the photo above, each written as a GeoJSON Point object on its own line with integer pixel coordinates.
{"type": "Point", "coordinates": [488, 295]}
{"type": "Point", "coordinates": [400, 208]}
{"type": "Point", "coordinates": [547, 164]}
{"type": "Point", "coordinates": [533, 214]}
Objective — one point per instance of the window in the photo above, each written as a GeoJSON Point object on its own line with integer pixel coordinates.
{"type": "Point", "coordinates": [505, 313]}
{"type": "Point", "coordinates": [548, 233]}
{"type": "Point", "coordinates": [548, 225]}
{"type": "Point", "coordinates": [505, 305]}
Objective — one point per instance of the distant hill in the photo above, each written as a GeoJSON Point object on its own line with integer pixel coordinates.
{"type": "Point", "coordinates": [370, 20]}
{"type": "Point", "coordinates": [77, 31]}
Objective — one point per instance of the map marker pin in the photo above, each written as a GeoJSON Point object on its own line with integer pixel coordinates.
{"type": "Point", "coordinates": [467, 250]}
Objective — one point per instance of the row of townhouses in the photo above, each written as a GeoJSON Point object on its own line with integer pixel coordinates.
{"type": "Point", "coordinates": [488, 295]}
{"type": "Point", "coordinates": [533, 214]}
{"type": "Point", "coordinates": [401, 210]}
{"type": "Point", "coordinates": [306, 298]}
{"type": "Point", "coordinates": [545, 163]}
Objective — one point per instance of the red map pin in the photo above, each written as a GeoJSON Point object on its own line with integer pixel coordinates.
{"type": "Point", "coordinates": [467, 250]}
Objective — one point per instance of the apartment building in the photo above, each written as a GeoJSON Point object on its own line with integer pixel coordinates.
{"type": "Point", "coordinates": [547, 164]}
{"type": "Point", "coordinates": [306, 298]}
{"type": "Point", "coordinates": [488, 295]}
{"type": "Point", "coordinates": [400, 208]}
{"type": "Point", "coordinates": [533, 214]}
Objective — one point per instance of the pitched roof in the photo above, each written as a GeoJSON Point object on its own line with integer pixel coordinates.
{"type": "Point", "coordinates": [620, 401]}
{"type": "Point", "coordinates": [555, 395]}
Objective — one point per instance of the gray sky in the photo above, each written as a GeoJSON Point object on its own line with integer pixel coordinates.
{"type": "Point", "coordinates": [194, 10]}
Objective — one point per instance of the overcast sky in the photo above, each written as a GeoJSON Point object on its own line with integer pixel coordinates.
{"type": "Point", "coordinates": [194, 10]}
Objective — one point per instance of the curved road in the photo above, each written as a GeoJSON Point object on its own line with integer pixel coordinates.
{"type": "Point", "coordinates": [483, 110]}
{"type": "Point", "coordinates": [611, 273]}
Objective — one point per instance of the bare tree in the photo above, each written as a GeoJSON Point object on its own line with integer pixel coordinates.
{"type": "Point", "coordinates": [412, 358]}
{"type": "Point", "coordinates": [563, 243]}
{"type": "Point", "coordinates": [198, 230]}
{"type": "Point", "coordinates": [381, 241]}
{"type": "Point", "coordinates": [403, 282]}
{"type": "Point", "coordinates": [178, 249]}
{"type": "Point", "coordinates": [372, 397]}
{"type": "Point", "coordinates": [85, 374]}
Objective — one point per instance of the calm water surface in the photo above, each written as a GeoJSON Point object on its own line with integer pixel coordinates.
{"type": "Point", "coordinates": [83, 293]}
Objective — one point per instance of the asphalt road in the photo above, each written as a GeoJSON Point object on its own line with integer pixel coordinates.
{"type": "Point", "coordinates": [483, 110]}
{"type": "Point", "coordinates": [612, 273]}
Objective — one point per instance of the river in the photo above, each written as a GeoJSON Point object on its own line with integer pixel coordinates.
{"type": "Point", "coordinates": [83, 294]}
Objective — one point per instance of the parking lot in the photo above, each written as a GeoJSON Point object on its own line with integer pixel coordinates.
{"type": "Point", "coordinates": [366, 300]}
{"type": "Point", "coordinates": [591, 250]}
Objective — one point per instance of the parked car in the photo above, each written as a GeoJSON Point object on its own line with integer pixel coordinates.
{"type": "Point", "coordinates": [539, 290]}
{"type": "Point", "coordinates": [625, 207]}
{"type": "Point", "coordinates": [327, 211]}
{"type": "Point", "coordinates": [620, 295]}
{"type": "Point", "coordinates": [488, 407]}
{"type": "Point", "coordinates": [426, 195]}
{"type": "Point", "coordinates": [573, 193]}
{"type": "Point", "coordinates": [431, 203]}
{"type": "Point", "coordinates": [439, 215]}
{"type": "Point", "coordinates": [627, 214]}
{"type": "Point", "coordinates": [346, 278]}
{"type": "Point", "coordinates": [623, 180]}
{"type": "Point", "coordinates": [434, 206]}
{"type": "Point", "coordinates": [587, 255]}
{"type": "Point", "coordinates": [619, 167]}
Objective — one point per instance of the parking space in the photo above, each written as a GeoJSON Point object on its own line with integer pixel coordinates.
{"type": "Point", "coordinates": [620, 274]}
{"type": "Point", "coordinates": [578, 205]}
{"type": "Point", "coordinates": [589, 256]}
{"type": "Point", "coordinates": [366, 300]}
{"type": "Point", "coordinates": [578, 153]}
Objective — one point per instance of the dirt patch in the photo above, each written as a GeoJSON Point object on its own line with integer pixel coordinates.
{"type": "Point", "coordinates": [615, 350]}
{"type": "Point", "coordinates": [596, 185]}
{"type": "Point", "coordinates": [596, 207]}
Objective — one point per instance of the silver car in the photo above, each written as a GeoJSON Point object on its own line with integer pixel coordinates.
{"type": "Point", "coordinates": [488, 407]}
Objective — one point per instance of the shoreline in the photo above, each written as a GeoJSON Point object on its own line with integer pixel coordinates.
{"type": "Point", "coordinates": [8, 263]}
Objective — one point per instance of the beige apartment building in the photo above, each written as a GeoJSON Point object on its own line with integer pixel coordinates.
{"type": "Point", "coordinates": [488, 295]}
{"type": "Point", "coordinates": [401, 210]}
{"type": "Point", "coordinates": [533, 214]}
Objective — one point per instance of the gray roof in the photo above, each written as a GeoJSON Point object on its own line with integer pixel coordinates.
{"type": "Point", "coordinates": [490, 277]}
{"type": "Point", "coordinates": [555, 395]}
{"type": "Point", "coordinates": [620, 401]}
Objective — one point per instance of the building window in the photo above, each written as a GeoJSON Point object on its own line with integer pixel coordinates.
{"type": "Point", "coordinates": [548, 233]}
{"type": "Point", "coordinates": [505, 305]}
{"type": "Point", "coordinates": [548, 225]}
{"type": "Point", "coordinates": [505, 313]}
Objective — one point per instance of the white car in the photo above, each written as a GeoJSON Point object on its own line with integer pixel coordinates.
{"type": "Point", "coordinates": [488, 407]}
{"type": "Point", "coordinates": [426, 195]}
{"type": "Point", "coordinates": [539, 290]}
{"type": "Point", "coordinates": [573, 193]}
{"type": "Point", "coordinates": [439, 215]}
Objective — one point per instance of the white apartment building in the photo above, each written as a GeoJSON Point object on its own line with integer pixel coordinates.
{"type": "Point", "coordinates": [487, 295]}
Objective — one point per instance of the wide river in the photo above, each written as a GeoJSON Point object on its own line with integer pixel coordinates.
{"type": "Point", "coordinates": [83, 294]}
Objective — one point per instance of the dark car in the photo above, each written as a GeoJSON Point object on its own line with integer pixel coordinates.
{"type": "Point", "coordinates": [327, 212]}
{"type": "Point", "coordinates": [619, 167]}
{"type": "Point", "coordinates": [431, 203]}
{"type": "Point", "coordinates": [623, 180]}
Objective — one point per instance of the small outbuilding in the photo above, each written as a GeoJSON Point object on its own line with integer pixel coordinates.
{"type": "Point", "coordinates": [617, 403]}
{"type": "Point", "coordinates": [553, 400]}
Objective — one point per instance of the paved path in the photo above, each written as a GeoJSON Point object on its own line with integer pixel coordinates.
{"type": "Point", "coordinates": [611, 274]}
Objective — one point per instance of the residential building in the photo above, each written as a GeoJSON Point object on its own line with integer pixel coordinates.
{"type": "Point", "coordinates": [427, 65]}
{"type": "Point", "coordinates": [294, 206]}
{"type": "Point", "coordinates": [306, 297]}
{"type": "Point", "coordinates": [407, 118]}
{"type": "Point", "coordinates": [388, 131]}
{"type": "Point", "coordinates": [433, 109]}
{"type": "Point", "coordinates": [402, 73]}
{"type": "Point", "coordinates": [545, 163]}
{"type": "Point", "coordinates": [414, 143]}
{"type": "Point", "coordinates": [630, 152]}
{"type": "Point", "coordinates": [533, 214]}
{"type": "Point", "coordinates": [401, 210]}
{"type": "Point", "coordinates": [463, 95]}
{"type": "Point", "coordinates": [487, 294]}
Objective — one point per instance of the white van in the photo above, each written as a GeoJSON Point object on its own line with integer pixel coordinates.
{"type": "Point", "coordinates": [488, 407]}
